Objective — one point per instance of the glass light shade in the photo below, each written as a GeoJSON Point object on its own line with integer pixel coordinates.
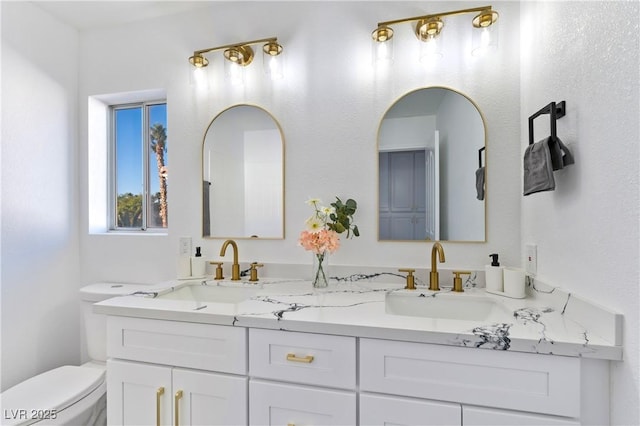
{"type": "Point", "coordinates": [234, 72]}
{"type": "Point", "coordinates": [431, 49]}
{"type": "Point", "coordinates": [382, 45]}
{"type": "Point", "coordinates": [484, 39]}
{"type": "Point", "coordinates": [273, 64]}
{"type": "Point", "coordinates": [199, 77]}
{"type": "Point", "coordinates": [382, 51]}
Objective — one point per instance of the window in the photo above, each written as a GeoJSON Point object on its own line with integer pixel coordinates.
{"type": "Point", "coordinates": [138, 143]}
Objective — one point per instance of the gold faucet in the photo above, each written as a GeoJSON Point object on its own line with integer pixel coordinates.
{"type": "Point", "coordinates": [411, 280]}
{"type": "Point", "coordinates": [235, 268]}
{"type": "Point", "coordinates": [434, 281]}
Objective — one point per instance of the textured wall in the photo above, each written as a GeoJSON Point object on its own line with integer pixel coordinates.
{"type": "Point", "coordinates": [587, 229]}
{"type": "Point", "coordinates": [40, 260]}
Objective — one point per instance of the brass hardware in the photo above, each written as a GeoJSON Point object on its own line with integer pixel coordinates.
{"type": "Point", "coordinates": [411, 281]}
{"type": "Point", "coordinates": [457, 281]}
{"type": "Point", "coordinates": [235, 268]}
{"type": "Point", "coordinates": [239, 53]}
{"type": "Point", "coordinates": [306, 359]}
{"type": "Point", "coordinates": [485, 19]}
{"type": "Point", "coordinates": [253, 271]}
{"type": "Point", "coordinates": [176, 407]}
{"type": "Point", "coordinates": [159, 394]}
{"type": "Point", "coordinates": [382, 34]}
{"type": "Point", "coordinates": [428, 28]}
{"type": "Point", "coordinates": [272, 48]}
{"type": "Point", "coordinates": [198, 61]}
{"type": "Point", "coordinates": [219, 275]}
{"type": "Point", "coordinates": [434, 279]}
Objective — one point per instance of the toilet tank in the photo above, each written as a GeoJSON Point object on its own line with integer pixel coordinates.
{"type": "Point", "coordinates": [95, 325]}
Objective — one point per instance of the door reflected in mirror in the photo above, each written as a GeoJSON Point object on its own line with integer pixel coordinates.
{"type": "Point", "coordinates": [243, 175]}
{"type": "Point", "coordinates": [431, 168]}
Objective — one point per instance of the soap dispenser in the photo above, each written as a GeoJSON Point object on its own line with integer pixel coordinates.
{"type": "Point", "coordinates": [198, 265]}
{"type": "Point", "coordinates": [493, 275]}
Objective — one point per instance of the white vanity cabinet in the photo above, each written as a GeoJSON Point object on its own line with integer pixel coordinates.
{"type": "Point", "coordinates": [482, 416]}
{"type": "Point", "coordinates": [301, 378]}
{"type": "Point", "coordinates": [237, 376]}
{"type": "Point", "coordinates": [488, 387]}
{"type": "Point", "coordinates": [147, 394]}
{"type": "Point", "coordinates": [381, 410]}
{"type": "Point", "coordinates": [171, 373]}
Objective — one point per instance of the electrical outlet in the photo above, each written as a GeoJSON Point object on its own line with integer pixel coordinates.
{"type": "Point", "coordinates": [185, 246]}
{"type": "Point", "coordinates": [531, 260]}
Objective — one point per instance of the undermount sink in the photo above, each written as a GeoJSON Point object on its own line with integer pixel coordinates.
{"type": "Point", "coordinates": [459, 306]}
{"type": "Point", "coordinates": [211, 293]}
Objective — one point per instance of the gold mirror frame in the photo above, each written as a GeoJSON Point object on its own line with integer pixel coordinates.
{"type": "Point", "coordinates": [207, 197]}
{"type": "Point", "coordinates": [474, 152]}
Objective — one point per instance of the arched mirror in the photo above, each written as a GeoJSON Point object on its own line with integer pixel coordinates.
{"type": "Point", "coordinates": [431, 165]}
{"type": "Point", "coordinates": [243, 175]}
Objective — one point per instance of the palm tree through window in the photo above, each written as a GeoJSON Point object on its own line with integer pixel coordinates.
{"type": "Point", "coordinates": [140, 166]}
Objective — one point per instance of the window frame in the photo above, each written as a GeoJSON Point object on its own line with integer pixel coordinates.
{"type": "Point", "coordinates": [112, 169]}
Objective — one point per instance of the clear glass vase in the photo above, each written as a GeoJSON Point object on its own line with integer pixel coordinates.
{"type": "Point", "coordinates": [320, 274]}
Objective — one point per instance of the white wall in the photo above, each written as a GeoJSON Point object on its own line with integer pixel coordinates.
{"type": "Point", "coordinates": [587, 229]}
{"type": "Point", "coordinates": [329, 106]}
{"type": "Point", "coordinates": [40, 260]}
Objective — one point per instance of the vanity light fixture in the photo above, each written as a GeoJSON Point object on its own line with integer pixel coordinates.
{"type": "Point", "coordinates": [428, 29]}
{"type": "Point", "coordinates": [240, 55]}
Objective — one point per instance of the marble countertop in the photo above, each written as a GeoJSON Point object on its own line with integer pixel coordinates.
{"type": "Point", "coordinates": [547, 321]}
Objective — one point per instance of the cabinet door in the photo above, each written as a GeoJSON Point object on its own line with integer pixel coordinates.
{"type": "Point", "coordinates": [473, 416]}
{"type": "Point", "coordinates": [138, 394]}
{"type": "Point", "coordinates": [209, 398]}
{"type": "Point", "coordinates": [389, 410]}
{"type": "Point", "coordinates": [281, 404]}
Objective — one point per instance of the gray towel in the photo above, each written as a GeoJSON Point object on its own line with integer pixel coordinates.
{"type": "Point", "coordinates": [480, 183]}
{"type": "Point", "coordinates": [538, 171]}
{"type": "Point", "coordinates": [560, 154]}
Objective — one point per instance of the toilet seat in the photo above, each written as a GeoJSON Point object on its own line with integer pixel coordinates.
{"type": "Point", "coordinates": [49, 393]}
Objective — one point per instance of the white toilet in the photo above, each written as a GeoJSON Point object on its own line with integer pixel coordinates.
{"type": "Point", "coordinates": [69, 395]}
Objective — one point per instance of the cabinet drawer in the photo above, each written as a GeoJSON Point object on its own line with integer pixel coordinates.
{"type": "Point", "coordinates": [519, 381]}
{"type": "Point", "coordinates": [381, 410]}
{"type": "Point", "coordinates": [479, 416]}
{"type": "Point", "coordinates": [181, 344]}
{"type": "Point", "coordinates": [282, 404]}
{"type": "Point", "coordinates": [303, 358]}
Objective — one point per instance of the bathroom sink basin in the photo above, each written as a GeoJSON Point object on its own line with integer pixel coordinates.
{"type": "Point", "coordinates": [211, 293]}
{"type": "Point", "coordinates": [459, 306]}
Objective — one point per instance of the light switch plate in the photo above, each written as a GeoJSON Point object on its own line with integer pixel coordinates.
{"type": "Point", "coordinates": [185, 246]}
{"type": "Point", "coordinates": [531, 259]}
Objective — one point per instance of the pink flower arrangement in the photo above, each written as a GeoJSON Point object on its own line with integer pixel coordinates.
{"type": "Point", "coordinates": [321, 236]}
{"type": "Point", "coordinates": [320, 241]}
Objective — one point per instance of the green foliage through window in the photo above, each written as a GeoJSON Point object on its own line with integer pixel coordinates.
{"type": "Point", "coordinates": [140, 167]}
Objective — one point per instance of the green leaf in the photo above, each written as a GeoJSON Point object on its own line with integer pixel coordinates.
{"type": "Point", "coordinates": [356, 232]}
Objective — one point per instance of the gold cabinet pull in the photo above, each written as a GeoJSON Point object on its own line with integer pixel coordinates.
{"type": "Point", "coordinates": [306, 359]}
{"type": "Point", "coordinates": [159, 394]}
{"type": "Point", "coordinates": [176, 407]}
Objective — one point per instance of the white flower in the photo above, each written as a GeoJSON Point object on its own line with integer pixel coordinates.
{"type": "Point", "coordinates": [313, 201]}
{"type": "Point", "coordinates": [314, 223]}
{"type": "Point", "coordinates": [328, 211]}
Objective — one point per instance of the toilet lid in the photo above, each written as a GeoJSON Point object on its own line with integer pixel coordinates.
{"type": "Point", "coordinates": [55, 389]}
